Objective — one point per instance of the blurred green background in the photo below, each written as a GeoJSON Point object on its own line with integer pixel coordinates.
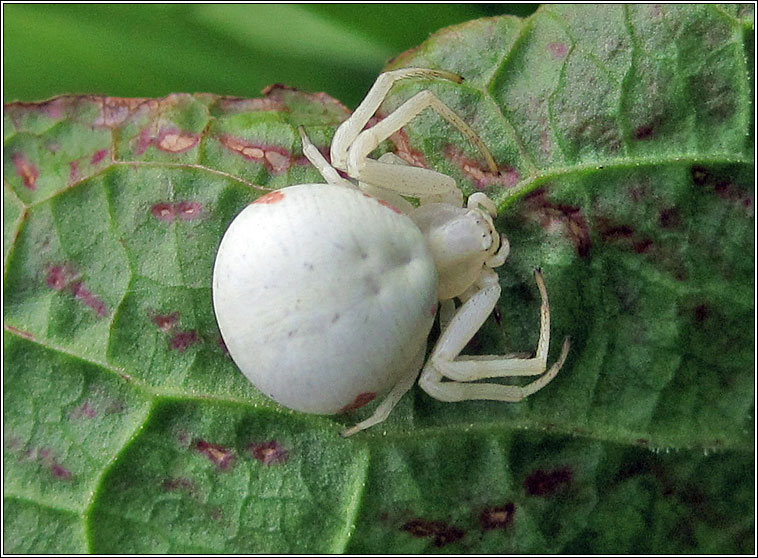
{"type": "Point", "coordinates": [151, 50]}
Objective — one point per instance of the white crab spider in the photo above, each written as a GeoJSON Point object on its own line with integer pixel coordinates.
{"type": "Point", "coordinates": [325, 294]}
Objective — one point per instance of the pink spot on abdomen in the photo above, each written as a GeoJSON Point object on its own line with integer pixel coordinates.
{"type": "Point", "coordinates": [360, 400]}
{"type": "Point", "coordinates": [26, 170]}
{"type": "Point", "coordinates": [269, 453]}
{"type": "Point", "coordinates": [219, 455]}
{"type": "Point", "coordinates": [389, 205]}
{"type": "Point", "coordinates": [558, 50]}
{"type": "Point", "coordinates": [271, 197]}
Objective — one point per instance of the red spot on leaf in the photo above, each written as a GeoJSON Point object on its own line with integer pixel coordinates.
{"type": "Point", "coordinates": [57, 277]}
{"type": "Point", "coordinates": [60, 472]}
{"type": "Point", "coordinates": [184, 210]}
{"type": "Point", "coordinates": [547, 483]}
{"type": "Point", "coordinates": [403, 148]}
{"type": "Point", "coordinates": [73, 172]}
{"type": "Point", "coordinates": [165, 322]}
{"type": "Point", "coordinates": [174, 484]}
{"type": "Point", "coordinates": [83, 294]}
{"type": "Point", "coordinates": [83, 411]}
{"type": "Point", "coordinates": [223, 346]}
{"type": "Point", "coordinates": [269, 453]}
{"type": "Point", "coordinates": [702, 311]}
{"type": "Point", "coordinates": [188, 210]}
{"type": "Point", "coordinates": [163, 211]}
{"type": "Point", "coordinates": [219, 455]}
{"type": "Point", "coordinates": [642, 246]}
{"type": "Point", "coordinates": [182, 340]}
{"type": "Point", "coordinates": [277, 159]}
{"type": "Point", "coordinates": [360, 400]}
{"type": "Point", "coordinates": [483, 177]}
{"type": "Point", "coordinates": [45, 455]}
{"type": "Point", "coordinates": [176, 141]}
{"type": "Point", "coordinates": [558, 50]}
{"type": "Point", "coordinates": [26, 170]}
{"type": "Point", "coordinates": [237, 105]}
{"type": "Point", "coordinates": [271, 197]}
{"type": "Point", "coordinates": [644, 132]}
{"type": "Point", "coordinates": [441, 532]}
{"type": "Point", "coordinates": [669, 218]}
{"type": "Point", "coordinates": [559, 216]}
{"type": "Point", "coordinates": [722, 184]}
{"type": "Point", "coordinates": [144, 141]}
{"type": "Point", "coordinates": [498, 517]}
{"type": "Point", "coordinates": [99, 156]}
{"type": "Point", "coordinates": [62, 277]}
{"type": "Point", "coordinates": [624, 235]}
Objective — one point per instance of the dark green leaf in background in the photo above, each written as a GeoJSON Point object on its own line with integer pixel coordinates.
{"type": "Point", "coordinates": [624, 138]}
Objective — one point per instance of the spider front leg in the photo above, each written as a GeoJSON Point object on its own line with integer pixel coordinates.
{"type": "Point", "coordinates": [406, 180]}
{"type": "Point", "coordinates": [445, 359]}
{"type": "Point", "coordinates": [326, 170]}
{"type": "Point", "coordinates": [352, 144]}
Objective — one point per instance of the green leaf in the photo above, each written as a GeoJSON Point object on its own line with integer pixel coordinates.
{"type": "Point", "coordinates": [624, 138]}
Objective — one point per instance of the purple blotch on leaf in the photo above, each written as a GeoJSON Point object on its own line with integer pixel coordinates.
{"type": "Point", "coordinates": [558, 50]}
{"type": "Point", "coordinates": [547, 483]}
{"type": "Point", "coordinates": [182, 340]}
{"type": "Point", "coordinates": [172, 140]}
{"type": "Point", "coordinates": [62, 277]}
{"type": "Point", "coordinates": [98, 156]}
{"type": "Point", "coordinates": [702, 311]}
{"type": "Point", "coordinates": [165, 322]}
{"type": "Point", "coordinates": [174, 484]}
{"type": "Point", "coordinates": [498, 517]}
{"type": "Point", "coordinates": [26, 170]}
{"type": "Point", "coordinates": [184, 210]}
{"type": "Point", "coordinates": [60, 472]}
{"type": "Point", "coordinates": [568, 217]}
{"type": "Point", "coordinates": [83, 411]}
{"type": "Point", "coordinates": [644, 132]}
{"type": "Point", "coordinates": [269, 453]}
{"type": "Point", "coordinates": [441, 532]}
{"type": "Point", "coordinates": [222, 457]}
{"type": "Point", "coordinates": [277, 159]}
